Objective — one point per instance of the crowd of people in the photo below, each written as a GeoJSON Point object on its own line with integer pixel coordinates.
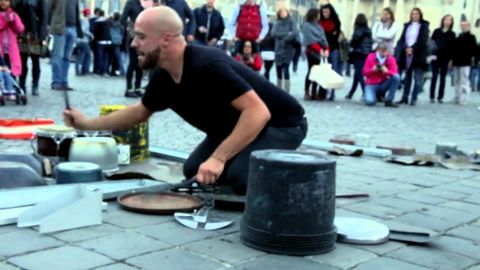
{"type": "Point", "coordinates": [381, 62]}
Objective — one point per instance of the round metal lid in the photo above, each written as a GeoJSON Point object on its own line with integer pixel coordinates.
{"type": "Point", "coordinates": [74, 166]}
{"type": "Point", "coordinates": [360, 231]}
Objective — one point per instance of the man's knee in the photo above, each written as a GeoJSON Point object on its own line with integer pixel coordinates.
{"type": "Point", "coordinates": [395, 78]}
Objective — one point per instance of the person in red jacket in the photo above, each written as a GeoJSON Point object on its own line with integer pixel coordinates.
{"type": "Point", "coordinates": [249, 56]}
{"type": "Point", "coordinates": [381, 75]}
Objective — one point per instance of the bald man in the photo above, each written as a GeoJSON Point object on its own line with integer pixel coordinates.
{"type": "Point", "coordinates": [239, 110]}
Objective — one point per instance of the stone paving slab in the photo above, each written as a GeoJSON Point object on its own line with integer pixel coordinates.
{"type": "Point", "coordinates": [281, 263]}
{"type": "Point", "coordinates": [462, 206]}
{"type": "Point", "coordinates": [417, 196]}
{"type": "Point", "coordinates": [71, 258]}
{"type": "Point", "coordinates": [8, 228]}
{"type": "Point", "coordinates": [459, 246]}
{"type": "Point", "coordinates": [23, 241]}
{"type": "Point", "coordinates": [445, 194]}
{"type": "Point", "coordinates": [403, 206]}
{"type": "Point", "coordinates": [382, 249]}
{"type": "Point", "coordinates": [432, 258]}
{"type": "Point", "coordinates": [388, 263]}
{"type": "Point", "coordinates": [175, 234]}
{"type": "Point", "coordinates": [344, 256]}
{"type": "Point", "coordinates": [383, 212]}
{"type": "Point", "coordinates": [477, 267]}
{"type": "Point", "coordinates": [87, 233]}
{"type": "Point", "coordinates": [127, 219]}
{"type": "Point", "coordinates": [124, 245]}
{"type": "Point", "coordinates": [174, 259]}
{"type": "Point", "coordinates": [466, 232]}
{"type": "Point", "coordinates": [473, 199]}
{"type": "Point", "coordinates": [117, 266]}
{"type": "Point", "coordinates": [450, 214]}
{"type": "Point", "coordinates": [4, 266]}
{"type": "Point", "coordinates": [227, 249]}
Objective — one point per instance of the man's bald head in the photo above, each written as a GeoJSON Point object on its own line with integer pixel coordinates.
{"type": "Point", "coordinates": [160, 20]}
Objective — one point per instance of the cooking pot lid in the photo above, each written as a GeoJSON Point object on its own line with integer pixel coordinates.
{"type": "Point", "coordinates": [55, 129]}
{"type": "Point", "coordinates": [360, 231]}
{"type": "Point", "coordinates": [159, 203]}
{"type": "Point", "coordinates": [77, 166]}
{"type": "Point", "coordinates": [95, 140]}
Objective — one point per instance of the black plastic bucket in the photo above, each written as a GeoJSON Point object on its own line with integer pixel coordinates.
{"type": "Point", "coordinates": [290, 204]}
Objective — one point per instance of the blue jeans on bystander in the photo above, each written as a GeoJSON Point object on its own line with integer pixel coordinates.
{"type": "Point", "coordinates": [389, 86]}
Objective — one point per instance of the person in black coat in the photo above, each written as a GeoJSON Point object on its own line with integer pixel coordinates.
{"type": "Point", "coordinates": [209, 24]}
{"type": "Point", "coordinates": [412, 52]}
{"type": "Point", "coordinates": [361, 45]}
{"type": "Point", "coordinates": [130, 12]}
{"type": "Point", "coordinates": [444, 39]}
{"type": "Point", "coordinates": [465, 50]}
{"type": "Point", "coordinates": [31, 42]}
{"type": "Point", "coordinates": [186, 15]}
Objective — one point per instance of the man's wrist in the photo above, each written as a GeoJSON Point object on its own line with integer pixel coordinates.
{"type": "Point", "coordinates": [218, 158]}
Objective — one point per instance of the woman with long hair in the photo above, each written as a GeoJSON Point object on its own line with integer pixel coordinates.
{"type": "Point", "coordinates": [330, 23]}
{"type": "Point", "coordinates": [316, 44]}
{"type": "Point", "coordinates": [385, 30]}
{"type": "Point", "coordinates": [412, 52]}
{"type": "Point", "coordinates": [361, 46]}
{"type": "Point", "coordinates": [444, 39]}
{"type": "Point", "coordinates": [31, 43]}
{"type": "Point", "coordinates": [285, 32]}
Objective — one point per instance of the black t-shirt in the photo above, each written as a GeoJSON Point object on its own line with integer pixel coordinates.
{"type": "Point", "coordinates": [211, 80]}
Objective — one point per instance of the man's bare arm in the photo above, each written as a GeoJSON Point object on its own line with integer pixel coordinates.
{"type": "Point", "coordinates": [118, 120]}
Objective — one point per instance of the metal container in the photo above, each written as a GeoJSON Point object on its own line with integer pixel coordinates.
{"type": "Point", "coordinates": [77, 172]}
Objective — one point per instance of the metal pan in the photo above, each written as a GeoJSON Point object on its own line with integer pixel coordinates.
{"type": "Point", "coordinates": [164, 203]}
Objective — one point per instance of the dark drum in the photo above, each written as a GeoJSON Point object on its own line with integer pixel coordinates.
{"type": "Point", "coordinates": [54, 141]}
{"type": "Point", "coordinates": [290, 203]}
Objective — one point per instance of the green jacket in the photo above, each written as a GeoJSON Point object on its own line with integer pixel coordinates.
{"type": "Point", "coordinates": [56, 18]}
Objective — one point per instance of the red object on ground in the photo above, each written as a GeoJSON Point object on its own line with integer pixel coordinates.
{"type": "Point", "coordinates": [21, 129]}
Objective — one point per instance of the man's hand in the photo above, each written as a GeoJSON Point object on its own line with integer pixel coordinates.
{"type": "Point", "coordinates": [385, 70]}
{"type": "Point", "coordinates": [209, 171]}
{"type": "Point", "coordinates": [213, 42]}
{"type": "Point", "coordinates": [190, 38]}
{"type": "Point", "coordinates": [409, 51]}
{"type": "Point", "coordinates": [324, 53]}
{"type": "Point", "coordinates": [76, 119]}
{"type": "Point", "coordinates": [202, 29]}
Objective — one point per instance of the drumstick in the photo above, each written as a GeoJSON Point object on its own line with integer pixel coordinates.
{"type": "Point", "coordinates": [67, 101]}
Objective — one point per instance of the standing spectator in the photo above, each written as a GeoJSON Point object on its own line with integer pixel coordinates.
{"type": "Point", "coordinates": [10, 26]}
{"type": "Point", "coordinates": [186, 15]}
{"type": "Point", "coordinates": [385, 30]}
{"type": "Point", "coordinates": [475, 72]}
{"type": "Point", "coordinates": [249, 57]}
{"type": "Point", "coordinates": [463, 57]}
{"type": "Point", "coordinates": [116, 33]}
{"type": "Point", "coordinates": [249, 22]}
{"type": "Point", "coordinates": [297, 46]}
{"type": "Point", "coordinates": [33, 14]}
{"type": "Point", "coordinates": [129, 15]}
{"type": "Point", "coordinates": [381, 73]}
{"type": "Point", "coordinates": [82, 63]}
{"type": "Point", "coordinates": [343, 48]}
{"type": "Point", "coordinates": [268, 51]}
{"type": "Point", "coordinates": [209, 24]}
{"type": "Point", "coordinates": [412, 51]}
{"type": "Point", "coordinates": [361, 45]}
{"type": "Point", "coordinates": [444, 39]}
{"type": "Point", "coordinates": [92, 42]}
{"type": "Point", "coordinates": [103, 40]}
{"type": "Point", "coordinates": [331, 24]}
{"type": "Point", "coordinates": [65, 28]}
{"type": "Point", "coordinates": [285, 33]}
{"type": "Point", "coordinates": [315, 41]}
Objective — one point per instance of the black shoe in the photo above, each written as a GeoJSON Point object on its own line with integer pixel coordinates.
{"type": "Point", "coordinates": [34, 90]}
{"type": "Point", "coordinates": [390, 104]}
{"type": "Point", "coordinates": [348, 96]}
{"type": "Point", "coordinates": [67, 88]}
{"type": "Point", "coordinates": [139, 93]}
{"type": "Point", "coordinates": [432, 100]}
{"type": "Point", "coordinates": [400, 102]}
{"type": "Point", "coordinates": [440, 101]}
{"type": "Point", "coordinates": [131, 94]}
{"type": "Point", "coordinates": [413, 103]}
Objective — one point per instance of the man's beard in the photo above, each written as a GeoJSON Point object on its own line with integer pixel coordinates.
{"type": "Point", "coordinates": [150, 59]}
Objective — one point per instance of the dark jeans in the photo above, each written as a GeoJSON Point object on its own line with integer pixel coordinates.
{"type": "Point", "coordinates": [415, 74]}
{"type": "Point", "coordinates": [311, 60]}
{"type": "Point", "coordinates": [296, 58]}
{"type": "Point", "coordinates": [358, 76]}
{"type": "Point", "coordinates": [283, 71]}
{"type": "Point", "coordinates": [235, 173]}
{"type": "Point", "coordinates": [103, 55]}
{"type": "Point", "coordinates": [35, 69]}
{"type": "Point", "coordinates": [442, 68]}
{"type": "Point", "coordinates": [133, 66]}
{"type": "Point", "coordinates": [117, 56]}
{"type": "Point", "coordinates": [82, 63]}
{"type": "Point", "coordinates": [268, 67]}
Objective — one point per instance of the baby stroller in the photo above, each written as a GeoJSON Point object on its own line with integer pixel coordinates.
{"type": "Point", "coordinates": [20, 96]}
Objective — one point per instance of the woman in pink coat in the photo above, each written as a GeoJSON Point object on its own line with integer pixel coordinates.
{"type": "Point", "coordinates": [10, 26]}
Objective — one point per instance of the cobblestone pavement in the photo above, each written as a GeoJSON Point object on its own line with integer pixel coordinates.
{"type": "Point", "coordinates": [444, 201]}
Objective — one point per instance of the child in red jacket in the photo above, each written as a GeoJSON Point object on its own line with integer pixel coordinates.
{"type": "Point", "coordinates": [249, 57]}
